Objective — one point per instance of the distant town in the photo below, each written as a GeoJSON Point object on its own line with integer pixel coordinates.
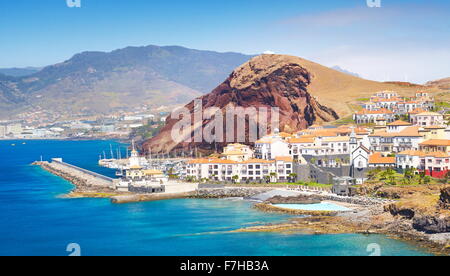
{"type": "Point", "coordinates": [118, 125]}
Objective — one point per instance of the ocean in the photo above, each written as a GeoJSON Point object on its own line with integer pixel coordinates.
{"type": "Point", "coordinates": [36, 220]}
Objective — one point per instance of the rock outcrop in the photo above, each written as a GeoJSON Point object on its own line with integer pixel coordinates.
{"type": "Point", "coordinates": [265, 81]}
{"type": "Point", "coordinates": [444, 200]}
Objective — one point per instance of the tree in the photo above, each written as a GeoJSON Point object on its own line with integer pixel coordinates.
{"type": "Point", "coordinates": [338, 162]}
{"type": "Point", "coordinates": [292, 177]}
{"type": "Point", "coordinates": [267, 178]}
{"type": "Point", "coordinates": [235, 178]}
{"type": "Point", "coordinates": [427, 179]}
{"type": "Point", "coordinates": [274, 175]}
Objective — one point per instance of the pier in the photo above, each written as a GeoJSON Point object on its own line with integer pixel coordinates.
{"type": "Point", "coordinates": [80, 177]}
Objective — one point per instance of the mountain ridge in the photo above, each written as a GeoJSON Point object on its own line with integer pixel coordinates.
{"type": "Point", "coordinates": [120, 78]}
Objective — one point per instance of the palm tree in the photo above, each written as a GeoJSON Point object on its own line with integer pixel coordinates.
{"type": "Point", "coordinates": [338, 162]}
{"type": "Point", "coordinates": [293, 177]}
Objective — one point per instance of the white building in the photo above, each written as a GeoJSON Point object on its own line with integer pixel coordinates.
{"type": "Point", "coordinates": [426, 119]}
{"type": "Point", "coordinates": [14, 129]}
{"type": "Point", "coordinates": [270, 147]}
{"type": "Point", "coordinates": [2, 131]}
{"type": "Point", "coordinates": [399, 136]}
{"type": "Point", "coordinates": [238, 152]}
{"type": "Point", "coordinates": [371, 116]}
{"type": "Point", "coordinates": [250, 170]}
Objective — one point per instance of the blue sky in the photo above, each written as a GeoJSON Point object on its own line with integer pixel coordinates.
{"type": "Point", "coordinates": [402, 40]}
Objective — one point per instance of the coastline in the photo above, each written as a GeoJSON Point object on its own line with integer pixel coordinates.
{"type": "Point", "coordinates": [371, 216]}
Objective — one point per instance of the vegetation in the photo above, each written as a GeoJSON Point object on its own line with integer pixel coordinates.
{"type": "Point", "coordinates": [363, 99]}
{"type": "Point", "coordinates": [408, 177]}
{"type": "Point", "coordinates": [344, 121]}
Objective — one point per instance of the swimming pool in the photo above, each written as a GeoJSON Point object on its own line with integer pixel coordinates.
{"type": "Point", "coordinates": [324, 206]}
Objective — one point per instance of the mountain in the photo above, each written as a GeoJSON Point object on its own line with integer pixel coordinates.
{"type": "Point", "coordinates": [265, 81]}
{"type": "Point", "coordinates": [338, 68]}
{"type": "Point", "coordinates": [442, 83]}
{"type": "Point", "coordinates": [305, 92]}
{"type": "Point", "coordinates": [101, 82]}
{"type": "Point", "coordinates": [20, 72]}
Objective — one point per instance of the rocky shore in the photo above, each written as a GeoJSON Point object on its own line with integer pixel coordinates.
{"type": "Point", "coordinates": [401, 219]}
{"type": "Point", "coordinates": [241, 192]}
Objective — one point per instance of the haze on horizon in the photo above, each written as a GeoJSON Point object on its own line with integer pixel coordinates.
{"type": "Point", "coordinates": [404, 40]}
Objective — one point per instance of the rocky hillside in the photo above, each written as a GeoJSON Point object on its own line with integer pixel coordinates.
{"type": "Point", "coordinates": [101, 82]}
{"type": "Point", "coordinates": [443, 83]}
{"type": "Point", "coordinates": [265, 81]}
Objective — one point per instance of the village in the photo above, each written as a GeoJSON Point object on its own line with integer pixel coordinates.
{"type": "Point", "coordinates": [390, 133]}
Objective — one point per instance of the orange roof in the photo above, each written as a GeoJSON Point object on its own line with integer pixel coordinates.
{"type": "Point", "coordinates": [412, 153]}
{"type": "Point", "coordinates": [434, 127]}
{"type": "Point", "coordinates": [412, 131]}
{"type": "Point", "coordinates": [417, 111]}
{"type": "Point", "coordinates": [428, 113]}
{"type": "Point", "coordinates": [301, 140]}
{"type": "Point", "coordinates": [436, 142]}
{"type": "Point", "coordinates": [285, 134]}
{"type": "Point", "coordinates": [377, 158]}
{"type": "Point", "coordinates": [400, 123]}
{"type": "Point", "coordinates": [419, 153]}
{"type": "Point", "coordinates": [256, 161]}
{"type": "Point", "coordinates": [284, 158]}
{"type": "Point", "coordinates": [381, 111]}
{"type": "Point", "coordinates": [211, 161]}
{"type": "Point", "coordinates": [438, 154]}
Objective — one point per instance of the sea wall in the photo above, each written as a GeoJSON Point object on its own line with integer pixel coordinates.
{"type": "Point", "coordinates": [230, 192]}
{"type": "Point", "coordinates": [80, 178]}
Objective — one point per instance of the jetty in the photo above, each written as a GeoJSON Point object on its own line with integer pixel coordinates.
{"type": "Point", "coordinates": [80, 177]}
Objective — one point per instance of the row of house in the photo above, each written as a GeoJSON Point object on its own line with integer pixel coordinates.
{"type": "Point", "coordinates": [400, 105]}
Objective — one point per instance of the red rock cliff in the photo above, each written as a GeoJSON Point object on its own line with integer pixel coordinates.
{"type": "Point", "coordinates": [265, 81]}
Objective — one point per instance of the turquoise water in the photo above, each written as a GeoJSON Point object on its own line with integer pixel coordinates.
{"type": "Point", "coordinates": [35, 220]}
{"type": "Point", "coordinates": [314, 207]}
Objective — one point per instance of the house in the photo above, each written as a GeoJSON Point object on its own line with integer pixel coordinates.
{"type": "Point", "coordinates": [237, 152]}
{"type": "Point", "coordinates": [377, 160]}
{"type": "Point", "coordinates": [426, 119]}
{"type": "Point", "coordinates": [408, 159]}
{"type": "Point", "coordinates": [435, 164]}
{"type": "Point", "coordinates": [268, 148]}
{"type": "Point", "coordinates": [371, 116]}
{"type": "Point", "coordinates": [436, 145]}
{"type": "Point", "coordinates": [396, 138]}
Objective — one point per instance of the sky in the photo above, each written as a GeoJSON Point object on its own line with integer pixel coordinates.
{"type": "Point", "coordinates": [403, 40]}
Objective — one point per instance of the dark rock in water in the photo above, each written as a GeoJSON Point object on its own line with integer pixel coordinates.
{"type": "Point", "coordinates": [431, 224]}
{"type": "Point", "coordinates": [444, 201]}
{"type": "Point", "coordinates": [293, 200]}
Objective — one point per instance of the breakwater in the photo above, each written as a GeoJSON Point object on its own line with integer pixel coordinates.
{"type": "Point", "coordinates": [84, 180]}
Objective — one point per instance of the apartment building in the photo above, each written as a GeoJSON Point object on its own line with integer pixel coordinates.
{"type": "Point", "coordinates": [278, 169]}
